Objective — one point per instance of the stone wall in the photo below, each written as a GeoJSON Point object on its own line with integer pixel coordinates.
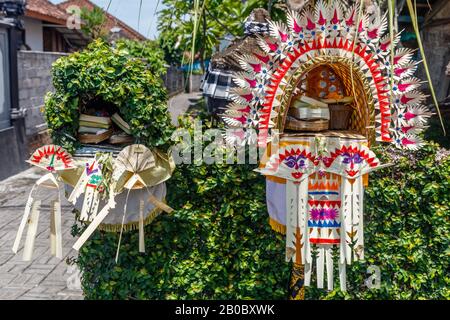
{"type": "Point", "coordinates": [35, 81]}
{"type": "Point", "coordinates": [436, 42]}
{"type": "Point", "coordinates": [195, 83]}
{"type": "Point", "coordinates": [174, 81]}
{"type": "Point", "coordinates": [437, 50]}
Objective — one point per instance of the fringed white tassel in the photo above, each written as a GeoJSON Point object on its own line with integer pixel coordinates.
{"type": "Point", "coordinates": [123, 222]}
{"type": "Point", "coordinates": [79, 188]}
{"type": "Point", "coordinates": [91, 200]}
{"type": "Point", "coordinates": [303, 210]}
{"type": "Point", "coordinates": [141, 227]}
{"type": "Point", "coordinates": [302, 218]}
{"type": "Point", "coordinates": [95, 223]}
{"type": "Point", "coordinates": [291, 219]}
{"type": "Point", "coordinates": [329, 265]}
{"type": "Point", "coordinates": [342, 276]}
{"type": "Point", "coordinates": [90, 203]}
{"type": "Point", "coordinates": [296, 217]}
{"type": "Point", "coordinates": [31, 218]}
{"type": "Point", "coordinates": [358, 217]}
{"type": "Point", "coordinates": [352, 225]}
{"type": "Point", "coordinates": [23, 223]}
{"type": "Point", "coordinates": [346, 221]}
{"type": "Point", "coordinates": [159, 204]}
{"type": "Point", "coordinates": [55, 230]}
{"type": "Point", "coordinates": [320, 261]}
{"type": "Point", "coordinates": [32, 231]}
{"type": "Point", "coordinates": [307, 274]}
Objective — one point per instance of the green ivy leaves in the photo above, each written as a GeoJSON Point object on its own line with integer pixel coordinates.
{"type": "Point", "coordinates": [132, 84]}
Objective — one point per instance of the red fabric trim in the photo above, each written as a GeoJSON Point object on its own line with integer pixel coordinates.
{"type": "Point", "coordinates": [324, 241]}
{"type": "Point", "coordinates": [327, 203]}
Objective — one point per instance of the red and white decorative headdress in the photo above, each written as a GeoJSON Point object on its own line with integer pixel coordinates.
{"type": "Point", "coordinates": [331, 34]}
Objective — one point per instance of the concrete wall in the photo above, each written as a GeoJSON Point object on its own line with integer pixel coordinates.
{"type": "Point", "coordinates": [34, 34]}
{"type": "Point", "coordinates": [174, 81]}
{"type": "Point", "coordinates": [34, 82]}
{"type": "Point", "coordinates": [194, 83]}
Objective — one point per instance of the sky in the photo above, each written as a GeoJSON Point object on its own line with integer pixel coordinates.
{"type": "Point", "coordinates": [128, 12]}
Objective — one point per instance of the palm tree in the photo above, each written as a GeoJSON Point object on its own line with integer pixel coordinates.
{"type": "Point", "coordinates": [200, 26]}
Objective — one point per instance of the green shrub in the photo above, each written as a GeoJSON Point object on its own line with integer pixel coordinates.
{"type": "Point", "coordinates": [110, 76]}
{"type": "Point", "coordinates": [218, 244]}
{"type": "Point", "coordinates": [148, 50]}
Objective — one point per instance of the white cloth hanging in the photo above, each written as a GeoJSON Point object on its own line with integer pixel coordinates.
{"type": "Point", "coordinates": [319, 199]}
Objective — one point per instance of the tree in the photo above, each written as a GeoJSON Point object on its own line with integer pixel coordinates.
{"type": "Point", "coordinates": [199, 26]}
{"type": "Point", "coordinates": [93, 22]}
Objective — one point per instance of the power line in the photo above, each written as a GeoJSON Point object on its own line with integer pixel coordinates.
{"type": "Point", "coordinates": [139, 17]}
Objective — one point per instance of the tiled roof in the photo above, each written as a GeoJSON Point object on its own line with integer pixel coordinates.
{"type": "Point", "coordinates": [111, 22]}
{"type": "Point", "coordinates": [46, 11]}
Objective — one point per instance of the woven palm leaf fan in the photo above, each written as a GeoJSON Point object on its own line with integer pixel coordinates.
{"type": "Point", "coordinates": [138, 178]}
{"type": "Point", "coordinates": [327, 34]}
{"type": "Point", "coordinates": [52, 158]}
{"type": "Point", "coordinates": [136, 158]}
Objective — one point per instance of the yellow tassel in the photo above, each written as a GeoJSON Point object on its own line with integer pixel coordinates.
{"type": "Point", "coordinates": [366, 180]}
{"type": "Point", "coordinates": [276, 179]}
{"type": "Point", "coordinates": [277, 227]}
{"type": "Point", "coordinates": [132, 225]}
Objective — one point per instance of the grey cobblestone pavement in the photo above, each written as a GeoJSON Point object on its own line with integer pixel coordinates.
{"type": "Point", "coordinates": [45, 277]}
{"type": "Point", "coordinates": [179, 104]}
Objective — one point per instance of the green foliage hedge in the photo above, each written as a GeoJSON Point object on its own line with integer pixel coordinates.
{"type": "Point", "coordinates": [218, 243]}
{"type": "Point", "coordinates": [115, 77]}
{"type": "Point", "coordinates": [148, 50]}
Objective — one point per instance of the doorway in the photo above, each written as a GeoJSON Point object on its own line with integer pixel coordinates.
{"type": "Point", "coordinates": [11, 143]}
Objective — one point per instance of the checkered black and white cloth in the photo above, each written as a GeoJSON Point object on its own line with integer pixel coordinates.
{"type": "Point", "coordinates": [251, 27]}
{"type": "Point", "coordinates": [217, 84]}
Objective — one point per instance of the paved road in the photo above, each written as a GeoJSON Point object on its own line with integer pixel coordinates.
{"type": "Point", "coordinates": [45, 277]}
{"type": "Point", "coordinates": [179, 104]}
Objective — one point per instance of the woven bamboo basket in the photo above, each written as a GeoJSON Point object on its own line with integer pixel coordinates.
{"type": "Point", "coordinates": [310, 113]}
{"type": "Point", "coordinates": [306, 125]}
{"type": "Point", "coordinates": [340, 115]}
{"type": "Point", "coordinates": [361, 117]}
